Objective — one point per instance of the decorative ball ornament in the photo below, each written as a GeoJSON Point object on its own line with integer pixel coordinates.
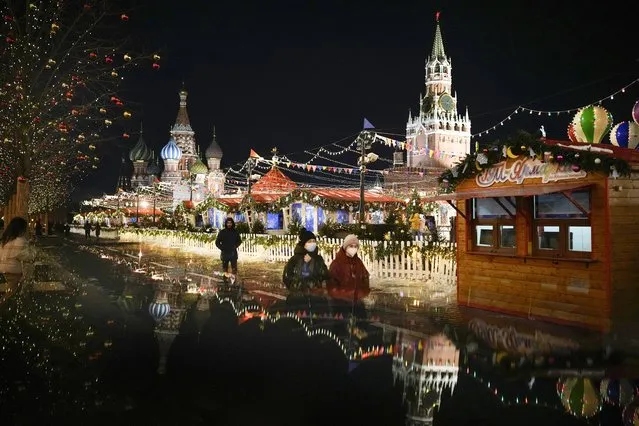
{"type": "Point", "coordinates": [571, 133]}
{"type": "Point", "coordinates": [617, 392]}
{"type": "Point", "coordinates": [635, 112]}
{"type": "Point", "coordinates": [625, 135]}
{"type": "Point", "coordinates": [591, 124]}
{"type": "Point", "coordinates": [159, 310]}
{"type": "Point", "coordinates": [630, 414]}
{"type": "Point", "coordinates": [579, 397]}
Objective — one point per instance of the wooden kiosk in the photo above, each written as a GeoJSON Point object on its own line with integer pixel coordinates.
{"type": "Point", "coordinates": [539, 236]}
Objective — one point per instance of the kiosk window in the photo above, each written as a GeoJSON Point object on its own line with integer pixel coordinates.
{"type": "Point", "coordinates": [562, 224]}
{"type": "Point", "coordinates": [493, 224]}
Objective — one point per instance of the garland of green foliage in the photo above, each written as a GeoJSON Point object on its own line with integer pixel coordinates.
{"type": "Point", "coordinates": [521, 144]}
{"type": "Point", "coordinates": [304, 196]}
{"type": "Point", "coordinates": [378, 252]}
{"type": "Point", "coordinates": [383, 251]}
{"type": "Point", "coordinates": [212, 203]}
{"type": "Point", "coordinates": [201, 237]}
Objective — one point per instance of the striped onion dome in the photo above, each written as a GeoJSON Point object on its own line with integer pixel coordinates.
{"type": "Point", "coordinates": [198, 168]}
{"type": "Point", "coordinates": [140, 152]}
{"type": "Point", "coordinates": [171, 151]}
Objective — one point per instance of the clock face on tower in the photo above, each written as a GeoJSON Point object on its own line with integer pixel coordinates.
{"type": "Point", "coordinates": [447, 102]}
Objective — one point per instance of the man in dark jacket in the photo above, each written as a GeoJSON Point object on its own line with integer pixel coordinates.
{"type": "Point", "coordinates": [228, 240]}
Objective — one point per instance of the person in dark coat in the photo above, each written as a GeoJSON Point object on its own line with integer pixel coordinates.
{"type": "Point", "coordinates": [306, 269]}
{"type": "Point", "coordinates": [305, 275]}
{"type": "Point", "coordinates": [87, 229]}
{"type": "Point", "coordinates": [228, 240]}
{"type": "Point", "coordinates": [98, 228]}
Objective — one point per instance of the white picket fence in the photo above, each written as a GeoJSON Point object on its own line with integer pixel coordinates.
{"type": "Point", "coordinates": [409, 264]}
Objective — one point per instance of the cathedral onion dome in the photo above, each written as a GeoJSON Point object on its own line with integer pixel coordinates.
{"type": "Point", "coordinates": [214, 150]}
{"type": "Point", "coordinates": [171, 151]}
{"type": "Point", "coordinates": [198, 168]}
{"type": "Point", "coordinates": [153, 168]}
{"type": "Point", "coordinates": [140, 152]}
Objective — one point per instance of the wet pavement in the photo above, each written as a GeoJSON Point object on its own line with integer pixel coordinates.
{"type": "Point", "coordinates": [91, 354]}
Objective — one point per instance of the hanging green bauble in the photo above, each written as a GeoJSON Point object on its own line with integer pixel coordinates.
{"type": "Point", "coordinates": [580, 398]}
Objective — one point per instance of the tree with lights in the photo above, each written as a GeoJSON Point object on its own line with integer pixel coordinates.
{"type": "Point", "coordinates": [62, 65]}
{"type": "Point", "coordinates": [414, 204]}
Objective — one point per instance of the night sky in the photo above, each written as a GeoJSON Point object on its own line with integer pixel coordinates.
{"type": "Point", "coordinates": [296, 75]}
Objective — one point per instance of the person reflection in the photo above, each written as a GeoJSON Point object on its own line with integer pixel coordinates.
{"type": "Point", "coordinates": [349, 280]}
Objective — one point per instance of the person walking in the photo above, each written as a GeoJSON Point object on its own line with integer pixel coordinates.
{"type": "Point", "coordinates": [349, 280]}
{"type": "Point", "coordinates": [98, 229]}
{"type": "Point", "coordinates": [228, 240]}
{"type": "Point", "coordinates": [87, 229]}
{"type": "Point", "coordinates": [14, 249]}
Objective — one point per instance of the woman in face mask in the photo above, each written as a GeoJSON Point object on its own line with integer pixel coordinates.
{"type": "Point", "coordinates": [306, 270]}
{"type": "Point", "coordinates": [349, 279]}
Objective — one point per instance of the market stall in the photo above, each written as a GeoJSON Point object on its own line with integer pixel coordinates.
{"type": "Point", "coordinates": [549, 231]}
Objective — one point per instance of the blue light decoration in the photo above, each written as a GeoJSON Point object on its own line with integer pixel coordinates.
{"type": "Point", "coordinates": [321, 217]}
{"type": "Point", "coordinates": [342, 216]}
{"type": "Point", "coordinates": [275, 221]}
{"type": "Point", "coordinates": [309, 222]}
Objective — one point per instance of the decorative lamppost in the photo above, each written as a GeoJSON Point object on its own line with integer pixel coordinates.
{"type": "Point", "coordinates": [364, 142]}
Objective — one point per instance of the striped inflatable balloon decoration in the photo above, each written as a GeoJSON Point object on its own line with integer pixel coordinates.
{"type": "Point", "coordinates": [591, 124]}
{"type": "Point", "coordinates": [159, 310]}
{"type": "Point", "coordinates": [625, 135]}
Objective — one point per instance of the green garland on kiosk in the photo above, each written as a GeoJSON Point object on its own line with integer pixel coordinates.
{"type": "Point", "coordinates": [524, 144]}
{"type": "Point", "coordinates": [307, 197]}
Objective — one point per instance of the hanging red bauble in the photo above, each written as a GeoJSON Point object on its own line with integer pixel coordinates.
{"type": "Point", "coordinates": [93, 55]}
{"type": "Point", "coordinates": [9, 40]}
{"type": "Point", "coordinates": [108, 60]}
{"type": "Point", "coordinates": [124, 17]}
{"type": "Point", "coordinates": [126, 135]}
{"type": "Point", "coordinates": [156, 66]}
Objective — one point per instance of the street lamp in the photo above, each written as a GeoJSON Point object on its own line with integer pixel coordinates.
{"type": "Point", "coordinates": [250, 166]}
{"type": "Point", "coordinates": [364, 142]}
{"type": "Point", "coordinates": [137, 206]}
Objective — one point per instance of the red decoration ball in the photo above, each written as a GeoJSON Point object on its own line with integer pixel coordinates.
{"type": "Point", "coordinates": [576, 168]}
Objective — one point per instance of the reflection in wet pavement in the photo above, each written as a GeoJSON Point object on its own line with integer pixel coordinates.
{"type": "Point", "coordinates": [133, 341]}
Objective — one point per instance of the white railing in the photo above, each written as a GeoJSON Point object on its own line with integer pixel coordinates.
{"type": "Point", "coordinates": [408, 263]}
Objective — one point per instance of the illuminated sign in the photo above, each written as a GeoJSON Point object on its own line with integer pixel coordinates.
{"type": "Point", "coordinates": [528, 168]}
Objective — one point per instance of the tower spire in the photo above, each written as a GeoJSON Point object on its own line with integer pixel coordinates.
{"type": "Point", "coordinates": [438, 43]}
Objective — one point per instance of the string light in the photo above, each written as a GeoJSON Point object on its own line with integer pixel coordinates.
{"type": "Point", "coordinates": [56, 88]}
{"type": "Point", "coordinates": [553, 112]}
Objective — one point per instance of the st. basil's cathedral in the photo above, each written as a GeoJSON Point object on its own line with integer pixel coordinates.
{"type": "Point", "coordinates": [184, 170]}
